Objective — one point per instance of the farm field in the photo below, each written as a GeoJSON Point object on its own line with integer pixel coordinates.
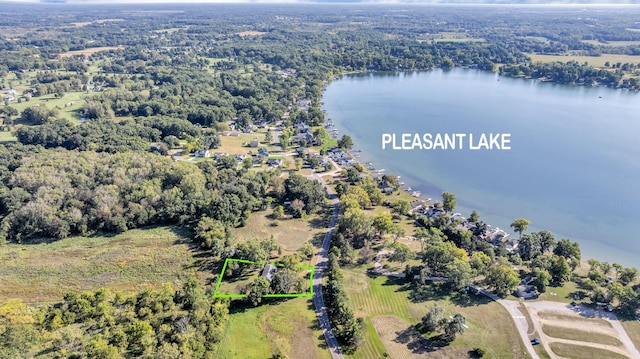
{"type": "Point", "coordinates": [69, 104]}
{"type": "Point", "coordinates": [129, 262]}
{"type": "Point", "coordinates": [89, 51]}
{"type": "Point", "coordinates": [372, 297]}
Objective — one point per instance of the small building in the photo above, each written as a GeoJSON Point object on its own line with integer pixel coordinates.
{"type": "Point", "coordinates": [274, 162]}
{"type": "Point", "coordinates": [202, 153]}
{"type": "Point", "coordinates": [268, 271]}
{"type": "Point", "coordinates": [263, 152]}
{"type": "Point", "coordinates": [526, 291]}
{"type": "Point", "coordinates": [254, 143]}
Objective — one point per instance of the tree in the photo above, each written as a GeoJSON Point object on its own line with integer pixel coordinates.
{"type": "Point", "coordinates": [282, 281]}
{"type": "Point", "coordinates": [541, 280]}
{"type": "Point", "coordinates": [391, 180]}
{"type": "Point", "coordinates": [502, 279]}
{"type": "Point", "coordinates": [448, 201]}
{"type": "Point", "coordinates": [560, 270]}
{"type": "Point", "coordinates": [628, 275]}
{"type": "Point", "coordinates": [306, 249]}
{"type": "Point", "coordinates": [256, 290]}
{"type": "Point", "coordinates": [38, 115]}
{"type": "Point", "coordinates": [459, 273]}
{"type": "Point", "coordinates": [529, 246]}
{"type": "Point", "coordinates": [569, 250]}
{"type": "Point", "coordinates": [520, 225]}
{"type": "Point", "coordinates": [345, 142]}
{"type": "Point", "coordinates": [455, 326]}
{"type": "Point", "coordinates": [211, 234]}
{"type": "Point", "coordinates": [383, 223]}
{"type": "Point", "coordinates": [474, 217]}
{"type": "Point", "coordinates": [268, 137]}
{"type": "Point", "coordinates": [479, 262]}
{"type": "Point", "coordinates": [401, 253]}
{"type": "Point", "coordinates": [433, 320]}
{"type": "Point", "coordinates": [401, 206]}
{"type": "Point", "coordinates": [278, 211]}
{"type": "Point", "coordinates": [298, 207]}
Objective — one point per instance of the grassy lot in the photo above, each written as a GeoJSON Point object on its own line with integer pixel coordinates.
{"type": "Point", "coordinates": [235, 145]}
{"type": "Point", "coordinates": [68, 112]}
{"type": "Point", "coordinates": [612, 43]}
{"type": "Point", "coordinates": [489, 324]}
{"type": "Point", "coordinates": [291, 233]}
{"type": "Point", "coordinates": [289, 327]}
{"type": "Point", "coordinates": [632, 327]}
{"type": "Point", "coordinates": [579, 335]}
{"type": "Point", "coordinates": [7, 136]}
{"type": "Point", "coordinates": [561, 294]}
{"type": "Point", "coordinates": [595, 61]}
{"type": "Point", "coordinates": [579, 352]}
{"type": "Point", "coordinates": [131, 261]}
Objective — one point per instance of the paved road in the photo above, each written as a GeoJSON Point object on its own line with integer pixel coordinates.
{"type": "Point", "coordinates": [321, 265]}
{"type": "Point", "coordinates": [518, 318]}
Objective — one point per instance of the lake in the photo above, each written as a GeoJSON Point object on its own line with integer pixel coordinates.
{"type": "Point", "coordinates": [573, 167]}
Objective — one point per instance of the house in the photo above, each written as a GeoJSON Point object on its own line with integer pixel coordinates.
{"type": "Point", "coordinates": [526, 291]}
{"type": "Point", "coordinates": [10, 92]}
{"type": "Point", "coordinates": [268, 271]}
{"type": "Point", "coordinates": [240, 158]}
{"type": "Point", "coordinates": [219, 155]}
{"type": "Point", "coordinates": [274, 162]}
{"type": "Point", "coordinates": [254, 143]}
{"type": "Point", "coordinates": [202, 153]}
{"type": "Point", "coordinates": [263, 152]}
{"type": "Point", "coordinates": [416, 206]}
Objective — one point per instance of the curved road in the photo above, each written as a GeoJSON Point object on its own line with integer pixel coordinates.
{"type": "Point", "coordinates": [321, 265]}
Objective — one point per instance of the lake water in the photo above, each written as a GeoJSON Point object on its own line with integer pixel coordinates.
{"type": "Point", "coordinates": [573, 167]}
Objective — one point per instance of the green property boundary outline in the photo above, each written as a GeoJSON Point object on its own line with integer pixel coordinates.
{"type": "Point", "coordinates": [224, 267]}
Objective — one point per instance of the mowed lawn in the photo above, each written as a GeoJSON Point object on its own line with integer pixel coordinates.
{"type": "Point", "coordinates": [490, 326]}
{"type": "Point", "coordinates": [131, 261]}
{"type": "Point", "coordinates": [69, 104]}
{"type": "Point", "coordinates": [595, 61]}
{"type": "Point", "coordinates": [288, 327]}
{"type": "Point", "coordinates": [632, 327]}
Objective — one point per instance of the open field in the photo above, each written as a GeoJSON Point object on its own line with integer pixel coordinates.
{"type": "Point", "coordinates": [7, 136]}
{"type": "Point", "coordinates": [289, 327]}
{"type": "Point", "coordinates": [89, 51]}
{"type": "Point", "coordinates": [250, 33]}
{"type": "Point", "coordinates": [69, 104]}
{"type": "Point", "coordinates": [489, 324]}
{"type": "Point", "coordinates": [632, 327]}
{"type": "Point", "coordinates": [291, 233]}
{"type": "Point", "coordinates": [580, 352]}
{"type": "Point", "coordinates": [595, 61]}
{"type": "Point", "coordinates": [129, 262]}
{"type": "Point", "coordinates": [612, 43]}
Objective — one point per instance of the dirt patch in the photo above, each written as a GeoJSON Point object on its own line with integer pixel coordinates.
{"type": "Point", "coordinates": [251, 33]}
{"type": "Point", "coordinates": [402, 341]}
{"type": "Point", "coordinates": [90, 51]}
{"type": "Point", "coordinates": [575, 351]}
